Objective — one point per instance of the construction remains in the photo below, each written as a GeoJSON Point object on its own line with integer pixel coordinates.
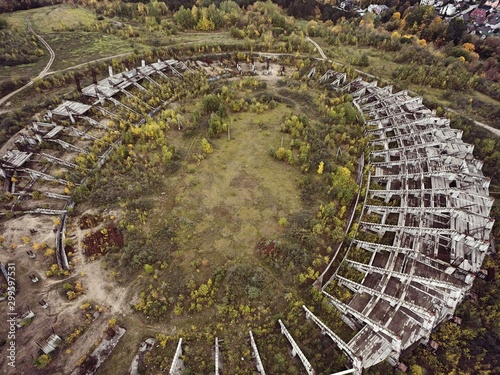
{"type": "Point", "coordinates": [423, 232]}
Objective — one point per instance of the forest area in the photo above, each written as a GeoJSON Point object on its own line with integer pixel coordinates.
{"type": "Point", "coordinates": [323, 142]}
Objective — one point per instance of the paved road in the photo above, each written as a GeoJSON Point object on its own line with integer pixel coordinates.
{"type": "Point", "coordinates": [481, 124]}
{"type": "Point", "coordinates": [470, 9]}
{"type": "Point", "coordinates": [42, 73]}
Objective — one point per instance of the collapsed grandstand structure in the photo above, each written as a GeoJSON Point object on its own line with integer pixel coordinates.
{"type": "Point", "coordinates": [423, 231]}
{"type": "Point", "coordinates": [45, 162]}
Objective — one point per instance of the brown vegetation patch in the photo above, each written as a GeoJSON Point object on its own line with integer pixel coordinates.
{"type": "Point", "coordinates": [244, 180]}
{"type": "Point", "coordinates": [88, 221]}
{"type": "Point", "coordinates": [266, 247]}
{"type": "Point", "coordinates": [101, 241]}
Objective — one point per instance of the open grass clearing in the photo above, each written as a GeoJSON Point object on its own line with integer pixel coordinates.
{"type": "Point", "coordinates": [51, 18]}
{"type": "Point", "coordinates": [80, 47]}
{"type": "Point", "coordinates": [224, 206]}
{"type": "Point", "coordinates": [216, 37]}
{"type": "Point", "coordinates": [25, 70]}
{"type": "Point", "coordinates": [235, 197]}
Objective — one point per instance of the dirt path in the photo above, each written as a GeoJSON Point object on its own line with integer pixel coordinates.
{"type": "Point", "coordinates": [481, 124]}
{"type": "Point", "coordinates": [320, 50]}
{"type": "Point", "coordinates": [45, 71]}
{"type": "Point", "coordinates": [42, 74]}
{"type": "Point", "coordinates": [89, 62]}
{"type": "Point", "coordinates": [102, 290]}
{"type": "Point", "coordinates": [96, 281]}
{"type": "Point", "coordinates": [51, 51]}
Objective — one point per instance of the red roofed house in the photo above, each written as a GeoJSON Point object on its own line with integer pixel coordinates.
{"type": "Point", "coordinates": [479, 15]}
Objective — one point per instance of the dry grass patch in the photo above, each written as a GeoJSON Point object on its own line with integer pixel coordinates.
{"type": "Point", "coordinates": [236, 196]}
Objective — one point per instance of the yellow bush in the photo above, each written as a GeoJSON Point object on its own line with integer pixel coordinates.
{"type": "Point", "coordinates": [49, 252]}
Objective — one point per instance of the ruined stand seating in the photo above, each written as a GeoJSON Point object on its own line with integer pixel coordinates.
{"type": "Point", "coordinates": [74, 129]}
{"type": "Point", "coordinates": [432, 212]}
{"type": "Point", "coordinates": [431, 216]}
{"type": "Point", "coordinates": [108, 88]}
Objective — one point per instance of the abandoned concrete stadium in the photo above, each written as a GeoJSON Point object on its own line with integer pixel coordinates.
{"type": "Point", "coordinates": [425, 198]}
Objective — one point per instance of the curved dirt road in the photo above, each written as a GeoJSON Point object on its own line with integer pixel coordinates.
{"type": "Point", "coordinates": [51, 51]}
{"type": "Point", "coordinates": [320, 50]}
{"type": "Point", "coordinates": [42, 73]}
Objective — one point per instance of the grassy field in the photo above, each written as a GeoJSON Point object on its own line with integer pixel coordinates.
{"type": "Point", "coordinates": [233, 198]}
{"type": "Point", "coordinates": [221, 207]}
{"type": "Point", "coordinates": [25, 70]}
{"type": "Point", "coordinates": [77, 48]}
{"type": "Point", "coordinates": [225, 205]}
{"type": "Point", "coordinates": [71, 49]}
{"type": "Point", "coordinates": [84, 47]}
{"type": "Point", "coordinates": [216, 37]}
{"type": "Point", "coordinates": [68, 31]}
{"type": "Point", "coordinates": [63, 28]}
{"type": "Point", "coordinates": [52, 18]}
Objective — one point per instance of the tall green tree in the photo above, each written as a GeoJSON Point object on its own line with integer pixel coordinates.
{"type": "Point", "coordinates": [455, 30]}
